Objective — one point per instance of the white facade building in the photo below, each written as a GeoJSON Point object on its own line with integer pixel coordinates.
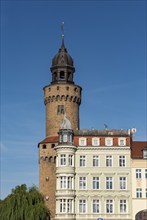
{"type": "Point", "coordinates": [93, 176]}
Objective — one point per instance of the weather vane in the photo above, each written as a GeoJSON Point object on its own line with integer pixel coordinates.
{"type": "Point", "coordinates": [62, 29]}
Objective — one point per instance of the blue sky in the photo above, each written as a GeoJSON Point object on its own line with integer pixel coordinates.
{"type": "Point", "coordinates": [107, 40]}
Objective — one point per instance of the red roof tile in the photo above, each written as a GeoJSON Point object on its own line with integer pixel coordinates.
{"type": "Point", "coordinates": [137, 149]}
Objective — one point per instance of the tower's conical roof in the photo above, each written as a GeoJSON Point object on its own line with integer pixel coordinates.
{"type": "Point", "coordinates": [62, 58]}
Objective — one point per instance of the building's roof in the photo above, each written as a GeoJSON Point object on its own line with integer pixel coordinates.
{"type": "Point", "coordinates": [62, 58]}
{"type": "Point", "coordinates": [105, 132]}
{"type": "Point", "coordinates": [137, 149]}
{"type": "Point", "coordinates": [52, 139]}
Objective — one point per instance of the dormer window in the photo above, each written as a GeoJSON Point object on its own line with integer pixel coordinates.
{"type": "Point", "coordinates": [109, 141]}
{"type": "Point", "coordinates": [82, 141]}
{"type": "Point", "coordinates": [122, 141]}
{"type": "Point", "coordinates": [95, 142]}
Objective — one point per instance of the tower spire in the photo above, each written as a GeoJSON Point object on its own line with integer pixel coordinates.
{"type": "Point", "coordinates": [62, 30]}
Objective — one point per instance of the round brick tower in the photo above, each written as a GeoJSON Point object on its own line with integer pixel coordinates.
{"type": "Point", "coordinates": [62, 95]}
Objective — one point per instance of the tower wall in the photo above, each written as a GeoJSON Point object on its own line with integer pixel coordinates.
{"type": "Point", "coordinates": [47, 185]}
{"type": "Point", "coordinates": [60, 99]}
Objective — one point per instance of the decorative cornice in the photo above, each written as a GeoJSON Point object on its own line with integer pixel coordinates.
{"type": "Point", "coordinates": [57, 98]}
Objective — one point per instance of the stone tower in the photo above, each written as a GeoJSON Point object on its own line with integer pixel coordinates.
{"type": "Point", "coordinates": [61, 97]}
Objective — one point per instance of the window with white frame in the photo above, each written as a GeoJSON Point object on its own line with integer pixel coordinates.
{"type": "Point", "coordinates": [82, 182]}
{"type": "Point", "coordinates": [70, 182]}
{"type": "Point", "coordinates": [82, 161]}
{"type": "Point", "coordinates": [123, 206]}
{"type": "Point", "coordinates": [95, 142]}
{"type": "Point", "coordinates": [70, 160]}
{"type": "Point", "coordinates": [108, 141]}
{"type": "Point", "coordinates": [62, 205]}
{"type": "Point", "coordinates": [138, 173]}
{"type": "Point", "coordinates": [82, 141]}
{"type": "Point", "coordinates": [122, 182]}
{"type": "Point", "coordinates": [109, 161]}
{"type": "Point", "coordinates": [139, 193]}
{"type": "Point", "coordinates": [122, 141]}
{"type": "Point", "coordinates": [122, 161]}
{"type": "Point", "coordinates": [96, 206]}
{"type": "Point", "coordinates": [145, 173]}
{"type": "Point", "coordinates": [109, 183]}
{"type": "Point", "coordinates": [66, 205]}
{"type": "Point", "coordinates": [95, 161]}
{"type": "Point", "coordinates": [95, 182]}
{"type": "Point", "coordinates": [69, 206]}
{"type": "Point", "coordinates": [63, 159]}
{"type": "Point", "coordinates": [109, 206]}
{"type": "Point", "coordinates": [82, 206]}
{"type": "Point", "coordinates": [63, 182]}
{"type": "Point", "coordinates": [145, 153]}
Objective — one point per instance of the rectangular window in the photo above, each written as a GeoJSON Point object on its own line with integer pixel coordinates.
{"type": "Point", "coordinates": [82, 161]}
{"type": "Point", "coordinates": [145, 154]}
{"type": "Point", "coordinates": [139, 193]}
{"type": "Point", "coordinates": [138, 173]}
{"type": "Point", "coordinates": [82, 205]}
{"type": "Point", "coordinates": [95, 182]}
{"type": "Point", "coordinates": [96, 207]}
{"type": "Point", "coordinates": [122, 182]}
{"type": "Point", "coordinates": [122, 161]}
{"type": "Point", "coordinates": [82, 141]}
{"type": "Point", "coordinates": [60, 109]}
{"type": "Point", "coordinates": [123, 206]}
{"type": "Point", "coordinates": [145, 173]}
{"type": "Point", "coordinates": [69, 182]}
{"type": "Point", "coordinates": [95, 142]}
{"type": "Point", "coordinates": [82, 182]}
{"type": "Point", "coordinates": [109, 183]}
{"type": "Point", "coordinates": [63, 159]}
{"type": "Point", "coordinates": [109, 206]}
{"type": "Point", "coordinates": [70, 160]}
{"type": "Point", "coordinates": [95, 161]}
{"type": "Point", "coordinates": [122, 141]}
{"type": "Point", "coordinates": [69, 206]}
{"type": "Point", "coordinates": [108, 141]}
{"type": "Point", "coordinates": [63, 182]}
{"type": "Point", "coordinates": [109, 161]}
{"type": "Point", "coordinates": [62, 205]}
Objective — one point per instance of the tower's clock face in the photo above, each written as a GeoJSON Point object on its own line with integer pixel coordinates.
{"type": "Point", "coordinates": [65, 138]}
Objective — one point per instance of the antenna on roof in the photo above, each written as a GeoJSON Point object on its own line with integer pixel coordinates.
{"type": "Point", "coordinates": [106, 127]}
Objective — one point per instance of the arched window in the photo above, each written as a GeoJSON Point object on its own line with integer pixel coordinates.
{"type": "Point", "coordinates": [50, 159]}
{"type": "Point", "coordinates": [69, 78]}
{"type": "Point", "coordinates": [62, 75]}
{"type": "Point", "coordinates": [54, 76]}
